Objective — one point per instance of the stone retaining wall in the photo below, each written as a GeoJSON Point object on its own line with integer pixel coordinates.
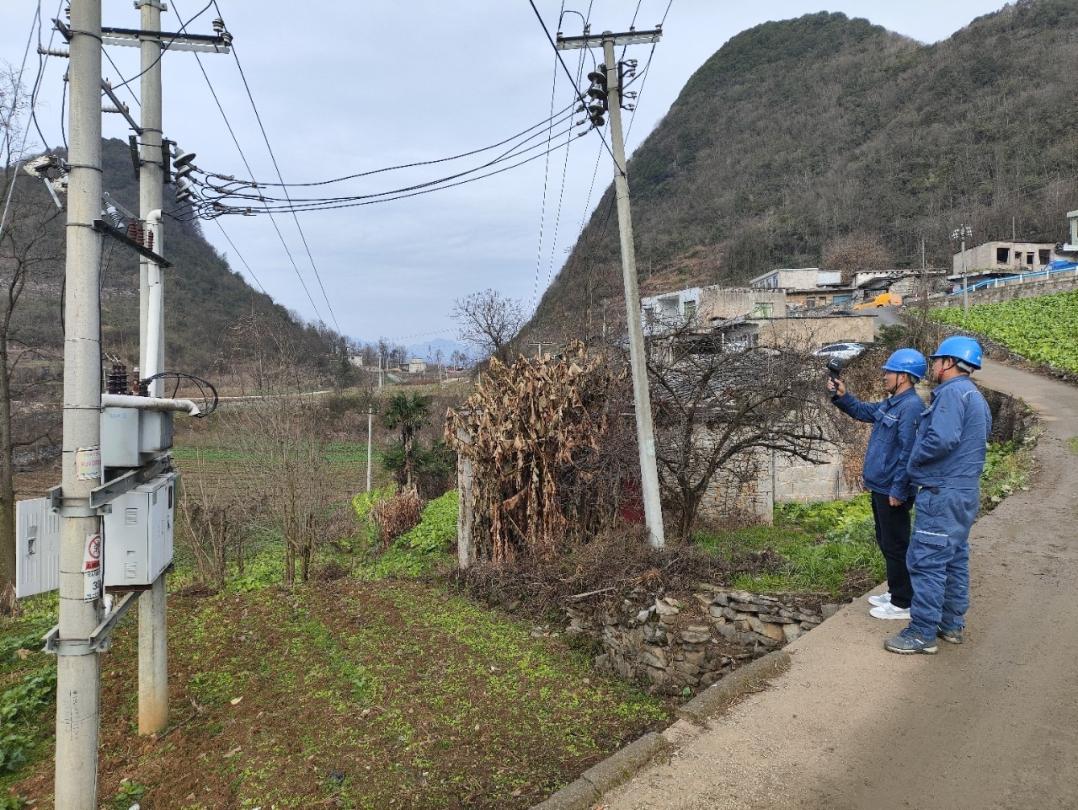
{"type": "Point", "coordinates": [671, 645]}
{"type": "Point", "coordinates": [1064, 282]}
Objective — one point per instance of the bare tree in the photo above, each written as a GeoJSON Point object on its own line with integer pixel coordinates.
{"type": "Point", "coordinates": [715, 409]}
{"type": "Point", "coordinates": [489, 320]}
{"type": "Point", "coordinates": [856, 252]}
{"type": "Point", "coordinates": [27, 249]}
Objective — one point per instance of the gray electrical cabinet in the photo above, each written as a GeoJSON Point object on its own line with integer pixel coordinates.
{"type": "Point", "coordinates": [131, 437]}
{"type": "Point", "coordinates": [138, 533]}
{"type": "Point", "coordinates": [37, 558]}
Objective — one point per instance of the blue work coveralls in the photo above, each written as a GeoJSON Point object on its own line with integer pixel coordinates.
{"type": "Point", "coordinates": [894, 426]}
{"type": "Point", "coordinates": [946, 463]}
{"type": "Point", "coordinates": [893, 430]}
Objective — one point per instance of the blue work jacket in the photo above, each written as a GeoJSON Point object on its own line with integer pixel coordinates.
{"type": "Point", "coordinates": [893, 429]}
{"type": "Point", "coordinates": [952, 438]}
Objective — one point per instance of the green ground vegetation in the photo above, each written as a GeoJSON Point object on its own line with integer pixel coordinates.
{"type": "Point", "coordinates": [1041, 329]}
{"type": "Point", "coordinates": [830, 547]}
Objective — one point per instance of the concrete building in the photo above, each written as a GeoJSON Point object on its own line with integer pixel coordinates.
{"type": "Point", "coordinates": [416, 366]}
{"type": "Point", "coordinates": [806, 287]}
{"type": "Point", "coordinates": [704, 308]}
{"type": "Point", "coordinates": [1001, 258]}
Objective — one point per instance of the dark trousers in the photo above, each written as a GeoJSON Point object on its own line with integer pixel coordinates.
{"type": "Point", "coordinates": [893, 538]}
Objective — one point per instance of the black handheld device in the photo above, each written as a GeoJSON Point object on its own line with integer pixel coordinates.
{"type": "Point", "coordinates": [834, 369]}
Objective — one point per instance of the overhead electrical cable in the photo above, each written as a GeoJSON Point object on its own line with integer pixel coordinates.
{"type": "Point", "coordinates": [565, 161]}
{"type": "Point", "coordinates": [9, 122]}
{"type": "Point", "coordinates": [277, 169]}
{"type": "Point", "coordinates": [42, 61]}
{"type": "Point", "coordinates": [417, 193]}
{"type": "Point", "coordinates": [239, 255]}
{"type": "Point", "coordinates": [166, 45]}
{"type": "Point", "coordinates": [546, 169]}
{"type": "Point", "coordinates": [368, 173]}
{"type": "Point", "coordinates": [306, 203]}
{"type": "Point", "coordinates": [246, 163]}
{"type": "Point", "coordinates": [554, 45]}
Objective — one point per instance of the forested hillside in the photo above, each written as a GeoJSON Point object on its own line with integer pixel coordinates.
{"type": "Point", "coordinates": [811, 138]}
{"type": "Point", "coordinates": [214, 319]}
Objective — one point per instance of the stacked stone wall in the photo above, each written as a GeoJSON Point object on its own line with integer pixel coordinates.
{"type": "Point", "coordinates": [672, 645]}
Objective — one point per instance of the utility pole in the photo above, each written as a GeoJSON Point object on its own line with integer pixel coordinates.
{"type": "Point", "coordinates": [645, 430]}
{"type": "Point", "coordinates": [78, 673]}
{"type": "Point", "coordinates": [370, 424]}
{"type": "Point", "coordinates": [152, 605]}
{"type": "Point", "coordinates": [962, 232]}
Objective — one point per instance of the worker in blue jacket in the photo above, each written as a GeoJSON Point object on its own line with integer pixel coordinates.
{"type": "Point", "coordinates": [946, 463]}
{"type": "Point", "coordinates": [894, 425]}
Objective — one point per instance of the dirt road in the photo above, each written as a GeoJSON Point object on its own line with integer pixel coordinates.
{"type": "Point", "coordinates": [993, 723]}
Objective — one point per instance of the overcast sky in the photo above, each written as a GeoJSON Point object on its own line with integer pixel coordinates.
{"type": "Point", "coordinates": [348, 87]}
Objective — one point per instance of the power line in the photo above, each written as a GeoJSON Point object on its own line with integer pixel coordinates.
{"type": "Point", "coordinates": [565, 162]}
{"type": "Point", "coordinates": [246, 163]}
{"type": "Point", "coordinates": [382, 170]}
{"type": "Point", "coordinates": [42, 60]}
{"type": "Point", "coordinates": [277, 169]}
{"type": "Point", "coordinates": [166, 46]}
{"type": "Point", "coordinates": [362, 202]}
{"type": "Point", "coordinates": [580, 96]}
{"type": "Point", "coordinates": [318, 203]}
{"type": "Point", "coordinates": [240, 255]}
{"type": "Point", "coordinates": [546, 168]}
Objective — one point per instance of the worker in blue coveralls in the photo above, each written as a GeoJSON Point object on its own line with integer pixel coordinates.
{"type": "Point", "coordinates": [894, 425]}
{"type": "Point", "coordinates": [946, 463]}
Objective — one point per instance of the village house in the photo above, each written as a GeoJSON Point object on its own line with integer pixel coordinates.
{"type": "Point", "coordinates": [806, 287]}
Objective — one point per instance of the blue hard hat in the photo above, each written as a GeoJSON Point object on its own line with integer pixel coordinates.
{"type": "Point", "coordinates": [961, 348]}
{"type": "Point", "coordinates": [907, 361]}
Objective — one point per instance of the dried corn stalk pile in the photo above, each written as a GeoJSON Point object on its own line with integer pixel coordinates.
{"type": "Point", "coordinates": [533, 432]}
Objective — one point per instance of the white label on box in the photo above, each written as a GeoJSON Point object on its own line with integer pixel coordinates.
{"type": "Point", "coordinates": [88, 463]}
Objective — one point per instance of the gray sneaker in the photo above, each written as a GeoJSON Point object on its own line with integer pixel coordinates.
{"type": "Point", "coordinates": [910, 642]}
{"type": "Point", "coordinates": [952, 635]}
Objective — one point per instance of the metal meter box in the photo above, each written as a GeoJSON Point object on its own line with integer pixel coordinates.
{"type": "Point", "coordinates": [130, 436]}
{"type": "Point", "coordinates": [37, 558]}
{"type": "Point", "coordinates": [138, 533]}
{"type": "Point", "coordinates": [119, 437]}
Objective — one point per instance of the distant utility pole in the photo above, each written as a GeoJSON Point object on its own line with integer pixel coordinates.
{"type": "Point", "coordinates": [610, 87]}
{"type": "Point", "coordinates": [962, 232]}
{"type": "Point", "coordinates": [78, 673]}
{"type": "Point", "coordinates": [539, 344]}
{"type": "Point", "coordinates": [370, 424]}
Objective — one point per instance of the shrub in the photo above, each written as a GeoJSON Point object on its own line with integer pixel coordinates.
{"type": "Point", "coordinates": [438, 527]}
{"type": "Point", "coordinates": [396, 515]}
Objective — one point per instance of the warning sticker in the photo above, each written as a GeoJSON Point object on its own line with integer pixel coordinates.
{"type": "Point", "coordinates": [91, 558]}
{"type": "Point", "coordinates": [91, 568]}
{"type": "Point", "coordinates": [88, 463]}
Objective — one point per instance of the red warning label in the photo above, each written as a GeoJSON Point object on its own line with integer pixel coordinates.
{"type": "Point", "coordinates": [91, 560]}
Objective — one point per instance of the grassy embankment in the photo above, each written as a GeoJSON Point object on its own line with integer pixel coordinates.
{"type": "Point", "coordinates": [831, 547]}
{"type": "Point", "coordinates": [1041, 329]}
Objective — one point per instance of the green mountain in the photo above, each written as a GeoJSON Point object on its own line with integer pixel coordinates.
{"type": "Point", "coordinates": [215, 322]}
{"type": "Point", "coordinates": [802, 140]}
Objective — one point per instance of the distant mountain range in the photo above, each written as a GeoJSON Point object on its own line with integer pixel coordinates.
{"type": "Point", "coordinates": [800, 137]}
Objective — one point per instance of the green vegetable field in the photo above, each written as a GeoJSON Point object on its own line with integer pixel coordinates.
{"type": "Point", "coordinates": [1040, 329]}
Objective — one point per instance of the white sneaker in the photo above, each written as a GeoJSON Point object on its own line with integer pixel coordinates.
{"type": "Point", "coordinates": [889, 611]}
{"type": "Point", "coordinates": [879, 599]}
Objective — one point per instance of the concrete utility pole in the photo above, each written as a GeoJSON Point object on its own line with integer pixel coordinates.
{"type": "Point", "coordinates": [77, 667]}
{"type": "Point", "coordinates": [645, 430]}
{"type": "Point", "coordinates": [152, 606]}
{"type": "Point", "coordinates": [962, 232]}
{"type": "Point", "coordinates": [370, 424]}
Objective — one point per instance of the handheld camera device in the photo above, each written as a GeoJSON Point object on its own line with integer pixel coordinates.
{"type": "Point", "coordinates": [834, 369]}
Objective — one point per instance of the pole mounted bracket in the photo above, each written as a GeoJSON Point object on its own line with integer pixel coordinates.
{"type": "Point", "coordinates": [103, 227]}
{"type": "Point", "coordinates": [78, 507]}
{"type": "Point", "coordinates": [99, 638]}
{"type": "Point", "coordinates": [161, 4]}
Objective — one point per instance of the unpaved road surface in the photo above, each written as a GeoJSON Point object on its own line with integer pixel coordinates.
{"type": "Point", "coordinates": [990, 724]}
